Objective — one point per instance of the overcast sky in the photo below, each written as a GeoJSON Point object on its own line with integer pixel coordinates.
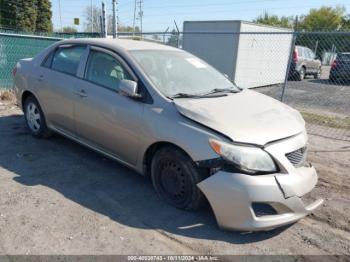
{"type": "Point", "coordinates": [159, 14]}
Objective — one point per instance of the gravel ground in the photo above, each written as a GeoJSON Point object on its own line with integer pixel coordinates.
{"type": "Point", "coordinates": [57, 197]}
{"type": "Point", "coordinates": [314, 95]}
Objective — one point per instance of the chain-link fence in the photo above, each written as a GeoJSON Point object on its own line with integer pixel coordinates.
{"type": "Point", "coordinates": [17, 45]}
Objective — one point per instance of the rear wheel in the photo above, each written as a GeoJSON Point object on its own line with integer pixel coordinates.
{"type": "Point", "coordinates": [317, 75]}
{"type": "Point", "coordinates": [175, 178]}
{"type": "Point", "coordinates": [332, 79]}
{"type": "Point", "coordinates": [35, 118]}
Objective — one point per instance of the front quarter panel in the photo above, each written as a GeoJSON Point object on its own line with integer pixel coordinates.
{"type": "Point", "coordinates": [163, 123]}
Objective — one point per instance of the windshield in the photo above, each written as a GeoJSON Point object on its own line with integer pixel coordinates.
{"type": "Point", "coordinates": [177, 72]}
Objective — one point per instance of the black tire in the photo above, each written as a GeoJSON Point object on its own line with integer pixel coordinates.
{"type": "Point", "coordinates": [318, 74]}
{"type": "Point", "coordinates": [333, 79]}
{"type": "Point", "coordinates": [301, 74]}
{"type": "Point", "coordinates": [35, 119]}
{"type": "Point", "coordinates": [175, 178]}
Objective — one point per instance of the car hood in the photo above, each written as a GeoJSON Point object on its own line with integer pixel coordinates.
{"type": "Point", "coordinates": [247, 116]}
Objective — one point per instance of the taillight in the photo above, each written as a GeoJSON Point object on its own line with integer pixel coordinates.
{"type": "Point", "coordinates": [334, 64]}
{"type": "Point", "coordinates": [14, 71]}
{"type": "Point", "coordinates": [295, 56]}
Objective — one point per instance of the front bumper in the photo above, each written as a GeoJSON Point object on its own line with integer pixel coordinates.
{"type": "Point", "coordinates": [231, 196]}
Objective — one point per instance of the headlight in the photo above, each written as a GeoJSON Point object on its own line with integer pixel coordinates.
{"type": "Point", "coordinates": [247, 158]}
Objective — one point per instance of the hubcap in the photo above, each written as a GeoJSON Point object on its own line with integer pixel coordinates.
{"type": "Point", "coordinates": [33, 117]}
{"type": "Point", "coordinates": [173, 182]}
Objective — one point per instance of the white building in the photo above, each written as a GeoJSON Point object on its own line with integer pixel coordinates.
{"type": "Point", "coordinates": [251, 55]}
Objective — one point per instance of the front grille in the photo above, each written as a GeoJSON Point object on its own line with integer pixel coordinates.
{"type": "Point", "coordinates": [297, 157]}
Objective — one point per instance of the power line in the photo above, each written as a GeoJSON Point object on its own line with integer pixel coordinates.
{"type": "Point", "coordinates": [230, 11]}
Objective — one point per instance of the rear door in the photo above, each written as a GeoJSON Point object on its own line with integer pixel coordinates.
{"type": "Point", "coordinates": [315, 64]}
{"type": "Point", "coordinates": [106, 119]}
{"type": "Point", "coordinates": [58, 85]}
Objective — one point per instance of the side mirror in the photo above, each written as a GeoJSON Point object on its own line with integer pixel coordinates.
{"type": "Point", "coordinates": [129, 88]}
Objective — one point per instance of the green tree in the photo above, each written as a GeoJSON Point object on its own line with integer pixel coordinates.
{"type": "Point", "coordinates": [92, 19]}
{"type": "Point", "coordinates": [274, 20]}
{"type": "Point", "coordinates": [44, 15]}
{"type": "Point", "coordinates": [323, 19]}
{"type": "Point", "coordinates": [19, 15]}
{"type": "Point", "coordinates": [26, 15]}
{"type": "Point", "coordinates": [69, 29]}
{"type": "Point", "coordinates": [128, 28]}
{"type": "Point", "coordinates": [346, 23]}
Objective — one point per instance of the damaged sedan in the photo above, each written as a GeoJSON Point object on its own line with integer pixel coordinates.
{"type": "Point", "coordinates": [169, 115]}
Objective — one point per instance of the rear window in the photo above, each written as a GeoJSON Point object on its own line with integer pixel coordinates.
{"type": "Point", "coordinates": [343, 57]}
{"type": "Point", "coordinates": [66, 59]}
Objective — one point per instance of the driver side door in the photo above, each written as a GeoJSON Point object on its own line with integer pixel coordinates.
{"type": "Point", "coordinates": [106, 119]}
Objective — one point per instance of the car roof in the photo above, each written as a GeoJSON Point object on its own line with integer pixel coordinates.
{"type": "Point", "coordinates": [125, 44]}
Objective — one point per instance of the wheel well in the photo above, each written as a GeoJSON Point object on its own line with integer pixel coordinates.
{"type": "Point", "coordinates": [151, 150]}
{"type": "Point", "coordinates": [25, 95]}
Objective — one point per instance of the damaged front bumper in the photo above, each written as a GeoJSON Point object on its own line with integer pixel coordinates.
{"type": "Point", "coordinates": [233, 197]}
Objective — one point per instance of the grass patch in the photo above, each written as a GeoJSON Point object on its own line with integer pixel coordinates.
{"type": "Point", "coordinates": [7, 95]}
{"type": "Point", "coordinates": [330, 121]}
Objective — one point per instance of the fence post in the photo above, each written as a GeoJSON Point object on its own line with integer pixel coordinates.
{"type": "Point", "coordinates": [292, 47]}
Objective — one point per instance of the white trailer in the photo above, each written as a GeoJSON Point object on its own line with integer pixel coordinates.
{"type": "Point", "coordinates": [251, 55]}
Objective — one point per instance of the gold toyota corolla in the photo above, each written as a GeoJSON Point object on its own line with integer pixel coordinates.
{"type": "Point", "coordinates": [167, 114]}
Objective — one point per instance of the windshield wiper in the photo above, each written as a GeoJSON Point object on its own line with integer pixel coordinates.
{"type": "Point", "coordinates": [223, 90]}
{"type": "Point", "coordinates": [185, 95]}
{"type": "Point", "coordinates": [210, 94]}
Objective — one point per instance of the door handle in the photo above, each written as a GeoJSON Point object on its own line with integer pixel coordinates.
{"type": "Point", "coordinates": [41, 78]}
{"type": "Point", "coordinates": [81, 93]}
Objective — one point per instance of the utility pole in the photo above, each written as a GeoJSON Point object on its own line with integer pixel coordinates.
{"type": "Point", "coordinates": [117, 17]}
{"type": "Point", "coordinates": [101, 26]}
{"type": "Point", "coordinates": [104, 33]}
{"type": "Point", "coordinates": [133, 24]}
{"type": "Point", "coordinates": [114, 20]}
{"type": "Point", "coordinates": [296, 23]}
{"type": "Point", "coordinates": [92, 18]}
{"type": "Point", "coordinates": [140, 15]}
{"type": "Point", "coordinates": [59, 10]}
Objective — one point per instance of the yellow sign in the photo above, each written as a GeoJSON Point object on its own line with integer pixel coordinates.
{"type": "Point", "coordinates": [76, 21]}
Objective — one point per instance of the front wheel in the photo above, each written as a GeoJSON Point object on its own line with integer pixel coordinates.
{"type": "Point", "coordinates": [318, 74]}
{"type": "Point", "coordinates": [35, 118]}
{"type": "Point", "coordinates": [301, 74]}
{"type": "Point", "coordinates": [175, 178]}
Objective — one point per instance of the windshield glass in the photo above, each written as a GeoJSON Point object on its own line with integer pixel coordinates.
{"type": "Point", "coordinates": [177, 72]}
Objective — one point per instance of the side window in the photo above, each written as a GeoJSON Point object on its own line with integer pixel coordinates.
{"type": "Point", "coordinates": [312, 54]}
{"type": "Point", "coordinates": [48, 60]}
{"type": "Point", "coordinates": [300, 52]}
{"type": "Point", "coordinates": [66, 59]}
{"type": "Point", "coordinates": [103, 69]}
